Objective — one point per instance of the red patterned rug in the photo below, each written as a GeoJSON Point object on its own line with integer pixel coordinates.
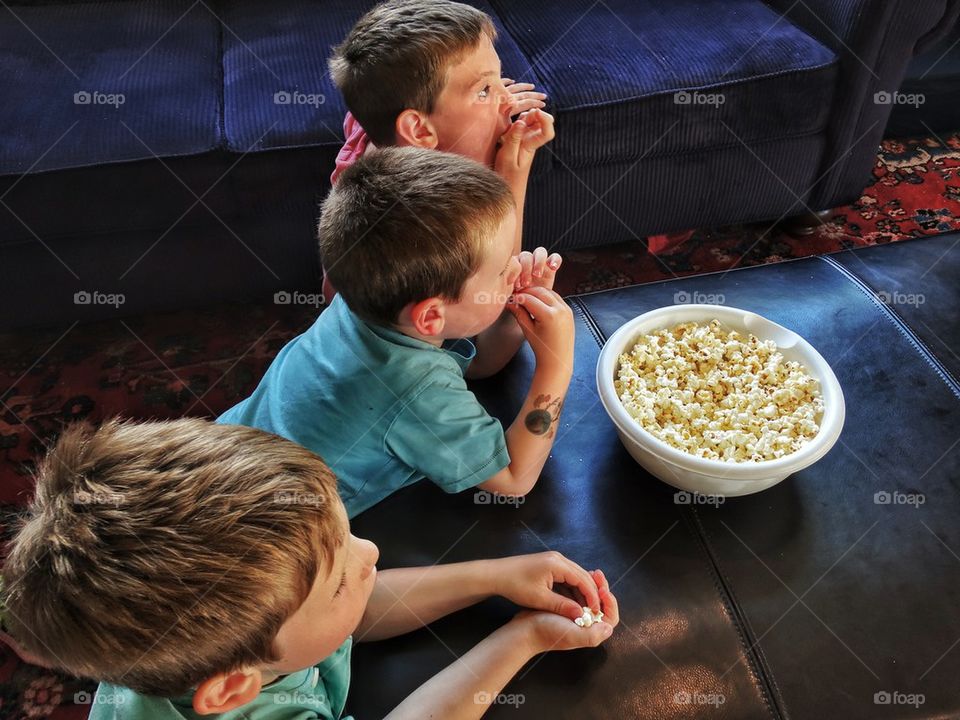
{"type": "Point", "coordinates": [201, 362]}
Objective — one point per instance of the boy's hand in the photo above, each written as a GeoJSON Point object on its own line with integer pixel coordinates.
{"type": "Point", "coordinates": [537, 268]}
{"type": "Point", "coordinates": [547, 324]}
{"type": "Point", "coordinates": [529, 581]}
{"type": "Point", "coordinates": [549, 631]}
{"type": "Point", "coordinates": [522, 96]}
{"type": "Point", "coordinates": [529, 132]}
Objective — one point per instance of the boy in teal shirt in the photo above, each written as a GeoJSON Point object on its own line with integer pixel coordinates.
{"type": "Point", "coordinates": [420, 245]}
{"type": "Point", "coordinates": [198, 569]}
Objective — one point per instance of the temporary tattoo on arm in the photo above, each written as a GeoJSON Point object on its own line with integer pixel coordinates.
{"type": "Point", "coordinates": [542, 419]}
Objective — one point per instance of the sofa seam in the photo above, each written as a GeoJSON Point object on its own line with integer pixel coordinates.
{"type": "Point", "coordinates": [752, 650]}
{"type": "Point", "coordinates": [742, 81]}
{"type": "Point", "coordinates": [735, 613]}
{"type": "Point", "coordinates": [899, 323]}
{"type": "Point", "coordinates": [828, 186]}
{"type": "Point", "coordinates": [222, 84]}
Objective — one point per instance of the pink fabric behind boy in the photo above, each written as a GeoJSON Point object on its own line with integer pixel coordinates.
{"type": "Point", "coordinates": [354, 147]}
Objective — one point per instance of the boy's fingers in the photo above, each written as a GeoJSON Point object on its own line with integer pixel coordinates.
{"type": "Point", "coordinates": [526, 267]}
{"type": "Point", "coordinates": [506, 81]}
{"type": "Point", "coordinates": [566, 606]}
{"type": "Point", "coordinates": [593, 635]}
{"type": "Point", "coordinates": [515, 133]}
{"type": "Point", "coordinates": [523, 317]}
{"type": "Point", "coordinates": [532, 301]}
{"type": "Point", "coordinates": [611, 608]}
{"type": "Point", "coordinates": [547, 297]}
{"type": "Point", "coordinates": [581, 580]}
{"type": "Point", "coordinates": [521, 105]}
{"type": "Point", "coordinates": [539, 259]}
{"type": "Point", "coordinates": [554, 261]}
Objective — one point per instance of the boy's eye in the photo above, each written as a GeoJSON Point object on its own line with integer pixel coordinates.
{"type": "Point", "coordinates": [343, 584]}
{"type": "Point", "coordinates": [485, 93]}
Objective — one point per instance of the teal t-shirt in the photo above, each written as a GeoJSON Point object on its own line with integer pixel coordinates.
{"type": "Point", "coordinates": [317, 692]}
{"type": "Point", "coordinates": [382, 409]}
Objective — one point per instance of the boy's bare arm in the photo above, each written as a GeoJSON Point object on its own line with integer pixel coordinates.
{"type": "Point", "coordinates": [547, 323]}
{"type": "Point", "coordinates": [467, 688]}
{"type": "Point", "coordinates": [405, 599]}
{"type": "Point", "coordinates": [531, 131]}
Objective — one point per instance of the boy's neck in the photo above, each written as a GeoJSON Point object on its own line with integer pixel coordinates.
{"type": "Point", "coordinates": [268, 677]}
{"type": "Point", "coordinates": [429, 339]}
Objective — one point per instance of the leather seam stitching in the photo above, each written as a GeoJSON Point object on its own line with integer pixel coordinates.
{"type": "Point", "coordinates": [753, 651]}
{"type": "Point", "coordinates": [900, 324]}
{"type": "Point", "coordinates": [737, 616]}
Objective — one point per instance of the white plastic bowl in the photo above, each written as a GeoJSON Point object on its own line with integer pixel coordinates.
{"type": "Point", "coordinates": [717, 477]}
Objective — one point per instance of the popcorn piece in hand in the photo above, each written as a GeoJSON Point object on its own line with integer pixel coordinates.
{"type": "Point", "coordinates": [589, 617]}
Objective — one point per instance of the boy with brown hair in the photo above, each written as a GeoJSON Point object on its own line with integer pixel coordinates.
{"type": "Point", "coordinates": [200, 569]}
{"type": "Point", "coordinates": [420, 244]}
{"type": "Point", "coordinates": [424, 73]}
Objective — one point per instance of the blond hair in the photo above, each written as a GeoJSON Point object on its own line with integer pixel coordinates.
{"type": "Point", "coordinates": [157, 554]}
{"type": "Point", "coordinates": [396, 58]}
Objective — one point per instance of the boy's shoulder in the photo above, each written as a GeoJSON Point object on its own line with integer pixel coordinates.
{"type": "Point", "coordinates": [316, 692]}
{"type": "Point", "coordinates": [113, 702]}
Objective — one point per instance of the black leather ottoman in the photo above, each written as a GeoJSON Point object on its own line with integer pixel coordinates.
{"type": "Point", "coordinates": [834, 594]}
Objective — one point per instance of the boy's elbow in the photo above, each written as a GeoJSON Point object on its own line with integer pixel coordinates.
{"type": "Point", "coordinates": [506, 483]}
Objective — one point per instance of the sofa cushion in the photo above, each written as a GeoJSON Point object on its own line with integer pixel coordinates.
{"type": "Point", "coordinates": [75, 74]}
{"type": "Point", "coordinates": [613, 70]}
{"type": "Point", "coordinates": [277, 91]}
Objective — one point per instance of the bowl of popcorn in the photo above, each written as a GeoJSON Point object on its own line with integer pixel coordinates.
{"type": "Point", "coordinates": [716, 400]}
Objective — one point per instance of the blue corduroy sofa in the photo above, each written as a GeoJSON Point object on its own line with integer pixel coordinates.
{"type": "Point", "coordinates": [172, 152]}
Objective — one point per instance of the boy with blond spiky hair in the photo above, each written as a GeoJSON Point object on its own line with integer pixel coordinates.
{"type": "Point", "coordinates": [198, 569]}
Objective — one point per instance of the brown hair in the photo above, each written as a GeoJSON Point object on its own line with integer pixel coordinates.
{"type": "Point", "coordinates": [155, 555]}
{"type": "Point", "coordinates": [405, 224]}
{"type": "Point", "coordinates": [396, 58]}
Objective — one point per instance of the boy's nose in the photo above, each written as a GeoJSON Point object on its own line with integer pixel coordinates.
{"type": "Point", "coordinates": [373, 554]}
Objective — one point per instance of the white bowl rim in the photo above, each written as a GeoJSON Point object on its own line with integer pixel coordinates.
{"type": "Point", "coordinates": [831, 422]}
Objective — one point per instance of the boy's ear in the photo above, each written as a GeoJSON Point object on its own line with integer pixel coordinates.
{"type": "Point", "coordinates": [226, 691]}
{"type": "Point", "coordinates": [427, 317]}
{"type": "Point", "coordinates": [414, 129]}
